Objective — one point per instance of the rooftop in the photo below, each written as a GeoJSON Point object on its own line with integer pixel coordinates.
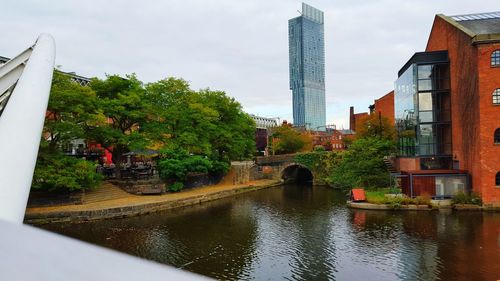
{"type": "Point", "coordinates": [481, 26]}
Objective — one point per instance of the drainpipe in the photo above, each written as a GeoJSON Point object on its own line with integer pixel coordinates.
{"type": "Point", "coordinates": [411, 185]}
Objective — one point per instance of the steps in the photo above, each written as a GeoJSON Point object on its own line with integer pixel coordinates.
{"type": "Point", "coordinates": [390, 166]}
{"type": "Point", "coordinates": [105, 192]}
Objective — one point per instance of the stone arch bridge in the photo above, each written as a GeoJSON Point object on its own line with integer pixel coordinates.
{"type": "Point", "coordinates": [282, 167]}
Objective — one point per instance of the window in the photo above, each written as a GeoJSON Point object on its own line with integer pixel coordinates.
{"type": "Point", "coordinates": [497, 136]}
{"type": "Point", "coordinates": [496, 96]}
{"type": "Point", "coordinates": [497, 179]}
{"type": "Point", "coordinates": [495, 58]}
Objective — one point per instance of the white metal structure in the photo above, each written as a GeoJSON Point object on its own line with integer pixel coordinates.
{"type": "Point", "coordinates": [28, 253]}
{"type": "Point", "coordinates": [24, 93]}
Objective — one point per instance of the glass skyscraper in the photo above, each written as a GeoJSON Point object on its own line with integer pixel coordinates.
{"type": "Point", "coordinates": [307, 68]}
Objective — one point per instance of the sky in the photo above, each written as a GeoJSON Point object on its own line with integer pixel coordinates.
{"type": "Point", "coordinates": [240, 47]}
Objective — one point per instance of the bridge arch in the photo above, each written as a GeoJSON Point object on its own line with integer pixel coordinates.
{"type": "Point", "coordinates": [296, 173]}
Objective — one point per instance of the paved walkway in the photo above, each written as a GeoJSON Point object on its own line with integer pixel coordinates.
{"type": "Point", "coordinates": [110, 201]}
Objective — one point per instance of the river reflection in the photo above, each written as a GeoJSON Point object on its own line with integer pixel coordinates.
{"type": "Point", "coordinates": [298, 232]}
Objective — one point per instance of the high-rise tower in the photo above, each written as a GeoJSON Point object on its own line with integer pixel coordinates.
{"type": "Point", "coordinates": [306, 47]}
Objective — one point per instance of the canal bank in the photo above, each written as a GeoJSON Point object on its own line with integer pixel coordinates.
{"type": "Point", "coordinates": [133, 205]}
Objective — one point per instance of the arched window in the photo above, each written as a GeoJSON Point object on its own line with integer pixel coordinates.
{"type": "Point", "coordinates": [497, 179]}
{"type": "Point", "coordinates": [495, 58]}
{"type": "Point", "coordinates": [496, 96]}
{"type": "Point", "coordinates": [497, 136]}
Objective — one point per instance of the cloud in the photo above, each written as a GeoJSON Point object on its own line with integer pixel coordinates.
{"type": "Point", "coordinates": [240, 47]}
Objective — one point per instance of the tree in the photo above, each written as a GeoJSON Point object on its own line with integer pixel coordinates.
{"type": "Point", "coordinates": [288, 140]}
{"type": "Point", "coordinates": [122, 103]}
{"type": "Point", "coordinates": [179, 118]}
{"type": "Point", "coordinates": [362, 164]}
{"type": "Point", "coordinates": [71, 108]}
{"type": "Point", "coordinates": [232, 134]}
{"type": "Point", "coordinates": [207, 123]}
{"type": "Point", "coordinates": [375, 125]}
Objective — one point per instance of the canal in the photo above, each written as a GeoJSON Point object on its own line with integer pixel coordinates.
{"type": "Point", "coordinates": [299, 232]}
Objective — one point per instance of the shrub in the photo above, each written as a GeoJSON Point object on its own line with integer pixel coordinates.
{"type": "Point", "coordinates": [378, 196]}
{"type": "Point", "coordinates": [177, 164]}
{"type": "Point", "coordinates": [59, 173]}
{"type": "Point", "coordinates": [424, 199]}
{"type": "Point", "coordinates": [176, 186]}
{"type": "Point", "coordinates": [465, 198]}
{"type": "Point", "coordinates": [362, 164]}
{"type": "Point", "coordinates": [319, 148]}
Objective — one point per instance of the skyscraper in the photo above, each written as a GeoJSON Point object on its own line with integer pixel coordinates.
{"type": "Point", "coordinates": [306, 47]}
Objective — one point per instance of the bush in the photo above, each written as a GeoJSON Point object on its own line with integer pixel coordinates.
{"type": "Point", "coordinates": [424, 199]}
{"type": "Point", "coordinates": [177, 164]}
{"type": "Point", "coordinates": [319, 148]}
{"type": "Point", "coordinates": [59, 173]}
{"type": "Point", "coordinates": [377, 196]}
{"type": "Point", "coordinates": [465, 198]}
{"type": "Point", "coordinates": [176, 186]}
{"type": "Point", "coordinates": [363, 164]}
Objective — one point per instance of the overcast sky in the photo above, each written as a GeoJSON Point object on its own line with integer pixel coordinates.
{"type": "Point", "coordinates": [238, 46]}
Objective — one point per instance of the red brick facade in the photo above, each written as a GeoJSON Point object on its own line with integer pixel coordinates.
{"type": "Point", "coordinates": [385, 106]}
{"type": "Point", "coordinates": [474, 117]}
{"type": "Point", "coordinates": [354, 118]}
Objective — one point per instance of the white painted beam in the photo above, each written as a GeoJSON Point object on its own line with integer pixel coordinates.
{"type": "Point", "coordinates": [21, 124]}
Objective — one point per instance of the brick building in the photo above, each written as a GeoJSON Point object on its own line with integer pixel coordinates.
{"type": "Point", "coordinates": [384, 106]}
{"type": "Point", "coordinates": [263, 127]}
{"type": "Point", "coordinates": [355, 118]}
{"type": "Point", "coordinates": [447, 109]}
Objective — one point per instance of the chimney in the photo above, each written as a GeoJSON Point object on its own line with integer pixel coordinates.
{"type": "Point", "coordinates": [352, 120]}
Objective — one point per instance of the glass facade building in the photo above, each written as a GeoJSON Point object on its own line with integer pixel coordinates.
{"type": "Point", "coordinates": [307, 68]}
{"type": "Point", "coordinates": [422, 110]}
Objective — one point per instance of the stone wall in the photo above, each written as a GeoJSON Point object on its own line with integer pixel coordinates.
{"type": "Point", "coordinates": [241, 172]}
{"type": "Point", "coordinates": [42, 198]}
{"type": "Point", "coordinates": [141, 187]}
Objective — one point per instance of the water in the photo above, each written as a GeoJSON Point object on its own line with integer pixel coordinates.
{"type": "Point", "coordinates": [298, 232]}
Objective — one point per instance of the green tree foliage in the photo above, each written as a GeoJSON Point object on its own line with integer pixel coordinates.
{"type": "Point", "coordinates": [288, 140]}
{"type": "Point", "coordinates": [70, 109]}
{"type": "Point", "coordinates": [57, 172]}
{"type": "Point", "coordinates": [202, 130]}
{"type": "Point", "coordinates": [232, 134]}
{"type": "Point", "coordinates": [179, 118]}
{"type": "Point", "coordinates": [375, 125]}
{"type": "Point", "coordinates": [206, 123]}
{"type": "Point", "coordinates": [122, 103]}
{"type": "Point", "coordinates": [175, 165]}
{"type": "Point", "coordinates": [362, 164]}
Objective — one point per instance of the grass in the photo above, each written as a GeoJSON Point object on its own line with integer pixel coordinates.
{"type": "Point", "coordinates": [377, 196]}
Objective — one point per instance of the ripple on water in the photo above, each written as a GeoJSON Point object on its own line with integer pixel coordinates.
{"type": "Point", "coordinates": [304, 233]}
